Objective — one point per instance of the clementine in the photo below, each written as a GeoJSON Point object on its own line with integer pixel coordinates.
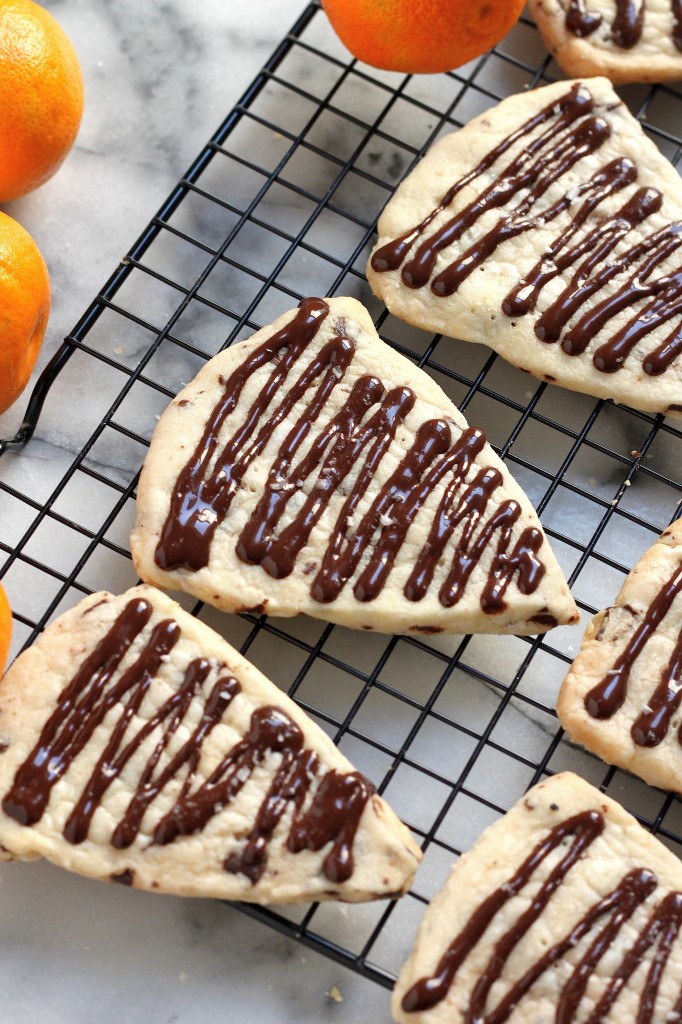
{"type": "Point", "coordinates": [24, 308]}
{"type": "Point", "coordinates": [41, 96]}
{"type": "Point", "coordinates": [421, 36]}
{"type": "Point", "coordinates": [5, 628]}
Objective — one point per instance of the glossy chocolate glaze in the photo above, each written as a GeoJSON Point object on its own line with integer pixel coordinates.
{"type": "Point", "coordinates": [605, 699]}
{"type": "Point", "coordinates": [205, 490]}
{"type": "Point", "coordinates": [579, 22]}
{"type": "Point", "coordinates": [651, 726]}
{"type": "Point", "coordinates": [392, 255]}
{"type": "Point", "coordinates": [344, 456]}
{"type": "Point", "coordinates": [603, 920]}
{"type": "Point", "coordinates": [333, 815]}
{"type": "Point", "coordinates": [536, 177]}
{"type": "Point", "coordinates": [324, 810]}
{"type": "Point", "coordinates": [81, 708]}
{"type": "Point", "coordinates": [559, 136]}
{"type": "Point", "coordinates": [258, 543]}
{"type": "Point", "coordinates": [627, 25]}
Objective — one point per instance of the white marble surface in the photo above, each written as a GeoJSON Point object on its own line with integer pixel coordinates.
{"type": "Point", "coordinates": [159, 78]}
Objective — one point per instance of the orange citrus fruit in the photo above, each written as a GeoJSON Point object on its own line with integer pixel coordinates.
{"type": "Point", "coordinates": [41, 97]}
{"type": "Point", "coordinates": [24, 308]}
{"type": "Point", "coordinates": [421, 36]}
{"type": "Point", "coordinates": [5, 628]}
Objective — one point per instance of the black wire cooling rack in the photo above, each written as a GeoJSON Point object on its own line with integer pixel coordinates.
{"type": "Point", "coordinates": [280, 204]}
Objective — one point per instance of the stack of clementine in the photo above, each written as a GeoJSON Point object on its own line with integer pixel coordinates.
{"type": "Point", "coordinates": [41, 103]}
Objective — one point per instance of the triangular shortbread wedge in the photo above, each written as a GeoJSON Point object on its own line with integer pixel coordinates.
{"type": "Point", "coordinates": [549, 228]}
{"type": "Point", "coordinates": [566, 910]}
{"type": "Point", "coordinates": [625, 40]}
{"type": "Point", "coordinates": [622, 697]}
{"type": "Point", "coordinates": [312, 469]}
{"type": "Point", "coordinates": [137, 746]}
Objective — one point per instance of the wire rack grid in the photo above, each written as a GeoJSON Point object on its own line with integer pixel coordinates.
{"type": "Point", "coordinates": [282, 203]}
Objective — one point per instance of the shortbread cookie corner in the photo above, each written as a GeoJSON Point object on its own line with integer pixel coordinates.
{"type": "Point", "coordinates": [622, 695]}
{"type": "Point", "coordinates": [565, 909]}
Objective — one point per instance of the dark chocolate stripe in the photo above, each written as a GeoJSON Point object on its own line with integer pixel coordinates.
{"type": "Point", "coordinates": [333, 815]}
{"type": "Point", "coordinates": [557, 257]}
{"type": "Point", "coordinates": [573, 133]}
{"type": "Point", "coordinates": [113, 760]}
{"type": "Point", "coordinates": [604, 699]}
{"type": "Point", "coordinates": [554, 162]}
{"type": "Point", "coordinates": [628, 22]}
{"type": "Point", "coordinates": [652, 724]}
{"type": "Point", "coordinates": [579, 22]}
{"type": "Point", "coordinates": [333, 455]}
{"type": "Point", "coordinates": [80, 709]}
{"type": "Point", "coordinates": [391, 255]}
{"type": "Point", "coordinates": [208, 482]}
{"type": "Point", "coordinates": [626, 30]}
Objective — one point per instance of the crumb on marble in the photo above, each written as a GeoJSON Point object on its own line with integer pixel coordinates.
{"type": "Point", "coordinates": [334, 994]}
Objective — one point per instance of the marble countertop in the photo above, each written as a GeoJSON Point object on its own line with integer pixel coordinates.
{"type": "Point", "coordinates": [159, 79]}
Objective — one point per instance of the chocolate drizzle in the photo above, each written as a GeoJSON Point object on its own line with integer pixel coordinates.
{"type": "Point", "coordinates": [579, 22]}
{"type": "Point", "coordinates": [590, 246]}
{"type": "Point", "coordinates": [343, 456]}
{"type": "Point", "coordinates": [209, 481]}
{"type": "Point", "coordinates": [628, 22]}
{"type": "Point", "coordinates": [602, 921]}
{"type": "Point", "coordinates": [81, 708]}
{"type": "Point", "coordinates": [626, 30]}
{"type": "Point", "coordinates": [604, 700]}
{"type": "Point", "coordinates": [325, 810]}
{"type": "Point", "coordinates": [258, 544]}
